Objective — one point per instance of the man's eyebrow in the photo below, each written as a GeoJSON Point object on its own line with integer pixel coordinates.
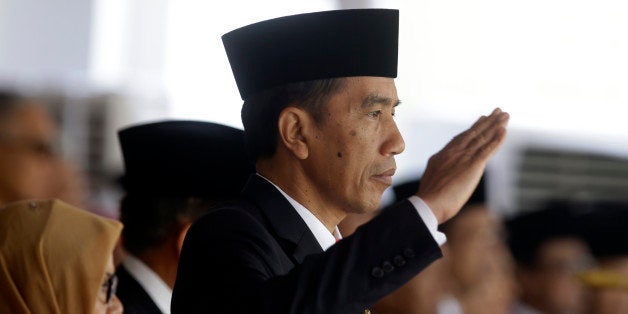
{"type": "Point", "coordinates": [373, 100]}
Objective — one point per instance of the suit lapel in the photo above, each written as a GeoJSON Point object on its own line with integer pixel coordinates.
{"type": "Point", "coordinates": [132, 295]}
{"type": "Point", "coordinates": [282, 217]}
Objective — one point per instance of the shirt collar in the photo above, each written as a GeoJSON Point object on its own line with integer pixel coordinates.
{"type": "Point", "coordinates": [154, 286]}
{"type": "Point", "coordinates": [323, 236]}
{"type": "Point", "coordinates": [523, 308]}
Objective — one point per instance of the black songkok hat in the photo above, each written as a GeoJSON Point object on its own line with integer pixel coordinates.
{"type": "Point", "coordinates": [528, 231]}
{"type": "Point", "coordinates": [606, 228]}
{"type": "Point", "coordinates": [184, 159]}
{"type": "Point", "coordinates": [321, 45]}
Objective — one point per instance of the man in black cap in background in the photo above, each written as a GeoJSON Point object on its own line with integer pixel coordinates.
{"type": "Point", "coordinates": [606, 231]}
{"type": "Point", "coordinates": [319, 99]}
{"type": "Point", "coordinates": [174, 172]}
{"type": "Point", "coordinates": [549, 249]}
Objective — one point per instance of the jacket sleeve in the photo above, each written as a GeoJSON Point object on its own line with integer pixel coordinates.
{"type": "Point", "coordinates": [228, 265]}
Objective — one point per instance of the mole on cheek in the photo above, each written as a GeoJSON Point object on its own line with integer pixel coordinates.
{"type": "Point", "coordinates": [339, 155]}
{"type": "Point", "coordinates": [352, 133]}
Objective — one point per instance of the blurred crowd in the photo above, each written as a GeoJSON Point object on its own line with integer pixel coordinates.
{"type": "Point", "coordinates": [31, 162]}
{"type": "Point", "coordinates": [567, 258]}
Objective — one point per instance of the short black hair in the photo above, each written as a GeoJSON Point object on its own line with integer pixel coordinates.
{"type": "Point", "coordinates": [149, 221]}
{"type": "Point", "coordinates": [260, 112]}
{"type": "Point", "coordinates": [529, 231]}
{"type": "Point", "coordinates": [8, 102]}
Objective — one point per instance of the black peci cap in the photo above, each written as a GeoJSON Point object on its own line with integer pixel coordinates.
{"type": "Point", "coordinates": [321, 45]}
{"type": "Point", "coordinates": [184, 159]}
{"type": "Point", "coordinates": [605, 228]}
{"type": "Point", "coordinates": [528, 231]}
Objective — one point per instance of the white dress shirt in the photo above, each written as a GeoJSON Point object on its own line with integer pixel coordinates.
{"type": "Point", "coordinates": [523, 308]}
{"type": "Point", "coordinates": [155, 287]}
{"type": "Point", "coordinates": [449, 305]}
{"type": "Point", "coordinates": [327, 239]}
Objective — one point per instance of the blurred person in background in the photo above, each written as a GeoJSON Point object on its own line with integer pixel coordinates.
{"type": "Point", "coordinates": [475, 274]}
{"type": "Point", "coordinates": [549, 249]}
{"type": "Point", "coordinates": [606, 229]}
{"type": "Point", "coordinates": [480, 269]}
{"type": "Point", "coordinates": [55, 258]}
{"type": "Point", "coordinates": [423, 292]}
{"type": "Point", "coordinates": [175, 171]}
{"type": "Point", "coordinates": [30, 164]}
{"type": "Point", "coordinates": [28, 158]}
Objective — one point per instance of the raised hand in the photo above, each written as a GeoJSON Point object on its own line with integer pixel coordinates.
{"type": "Point", "coordinates": [453, 173]}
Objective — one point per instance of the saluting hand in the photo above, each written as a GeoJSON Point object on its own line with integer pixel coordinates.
{"type": "Point", "coordinates": [454, 172]}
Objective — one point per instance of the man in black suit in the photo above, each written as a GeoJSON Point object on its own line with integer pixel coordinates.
{"type": "Point", "coordinates": [175, 171]}
{"type": "Point", "coordinates": [319, 99]}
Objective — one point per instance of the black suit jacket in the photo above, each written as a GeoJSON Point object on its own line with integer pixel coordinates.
{"type": "Point", "coordinates": [258, 256]}
{"type": "Point", "coordinates": [133, 297]}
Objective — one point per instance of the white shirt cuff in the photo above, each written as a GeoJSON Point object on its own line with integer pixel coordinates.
{"type": "Point", "coordinates": [428, 218]}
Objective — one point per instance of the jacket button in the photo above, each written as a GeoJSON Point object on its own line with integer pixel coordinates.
{"type": "Point", "coordinates": [387, 266]}
{"type": "Point", "coordinates": [399, 261]}
{"type": "Point", "coordinates": [408, 253]}
{"type": "Point", "coordinates": [377, 272]}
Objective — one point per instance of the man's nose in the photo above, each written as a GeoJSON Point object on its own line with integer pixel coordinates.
{"type": "Point", "coordinates": [394, 143]}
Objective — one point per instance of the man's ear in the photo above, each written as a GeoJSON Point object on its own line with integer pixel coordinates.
{"type": "Point", "coordinates": [293, 125]}
{"type": "Point", "coordinates": [183, 230]}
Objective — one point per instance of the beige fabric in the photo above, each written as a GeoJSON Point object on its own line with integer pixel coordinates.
{"type": "Point", "coordinates": [52, 257]}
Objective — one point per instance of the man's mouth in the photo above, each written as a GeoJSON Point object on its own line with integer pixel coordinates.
{"type": "Point", "coordinates": [385, 177]}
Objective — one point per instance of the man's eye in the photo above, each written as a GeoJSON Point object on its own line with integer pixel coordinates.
{"type": "Point", "coordinates": [375, 114]}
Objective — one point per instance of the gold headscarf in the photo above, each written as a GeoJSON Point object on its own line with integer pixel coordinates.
{"type": "Point", "coordinates": [52, 257]}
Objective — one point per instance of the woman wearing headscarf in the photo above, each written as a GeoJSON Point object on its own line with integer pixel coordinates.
{"type": "Point", "coordinates": [55, 258]}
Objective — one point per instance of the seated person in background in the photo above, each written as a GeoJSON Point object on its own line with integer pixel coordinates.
{"type": "Point", "coordinates": [174, 172]}
{"type": "Point", "coordinates": [55, 258]}
{"type": "Point", "coordinates": [27, 155]}
{"type": "Point", "coordinates": [480, 269]}
{"type": "Point", "coordinates": [30, 166]}
{"type": "Point", "coordinates": [606, 230]}
{"type": "Point", "coordinates": [549, 250]}
{"type": "Point", "coordinates": [475, 274]}
{"type": "Point", "coordinates": [422, 293]}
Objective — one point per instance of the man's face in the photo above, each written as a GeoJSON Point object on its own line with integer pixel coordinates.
{"type": "Point", "coordinates": [611, 300]}
{"type": "Point", "coordinates": [26, 156]}
{"type": "Point", "coordinates": [476, 247]}
{"type": "Point", "coordinates": [554, 284]}
{"type": "Point", "coordinates": [351, 158]}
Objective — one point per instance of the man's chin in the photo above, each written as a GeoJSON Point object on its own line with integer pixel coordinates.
{"type": "Point", "coordinates": [366, 207]}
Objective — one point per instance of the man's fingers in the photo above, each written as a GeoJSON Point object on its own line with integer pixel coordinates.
{"type": "Point", "coordinates": [453, 173]}
{"type": "Point", "coordinates": [464, 139]}
{"type": "Point", "coordinates": [488, 135]}
{"type": "Point", "coordinates": [480, 120]}
{"type": "Point", "coordinates": [489, 149]}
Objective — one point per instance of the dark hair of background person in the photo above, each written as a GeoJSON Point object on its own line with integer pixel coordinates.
{"type": "Point", "coordinates": [260, 112]}
{"type": "Point", "coordinates": [8, 102]}
{"type": "Point", "coordinates": [150, 221]}
{"type": "Point", "coordinates": [528, 231]}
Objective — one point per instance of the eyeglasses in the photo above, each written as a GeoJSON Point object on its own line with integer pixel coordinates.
{"type": "Point", "coordinates": [108, 289]}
